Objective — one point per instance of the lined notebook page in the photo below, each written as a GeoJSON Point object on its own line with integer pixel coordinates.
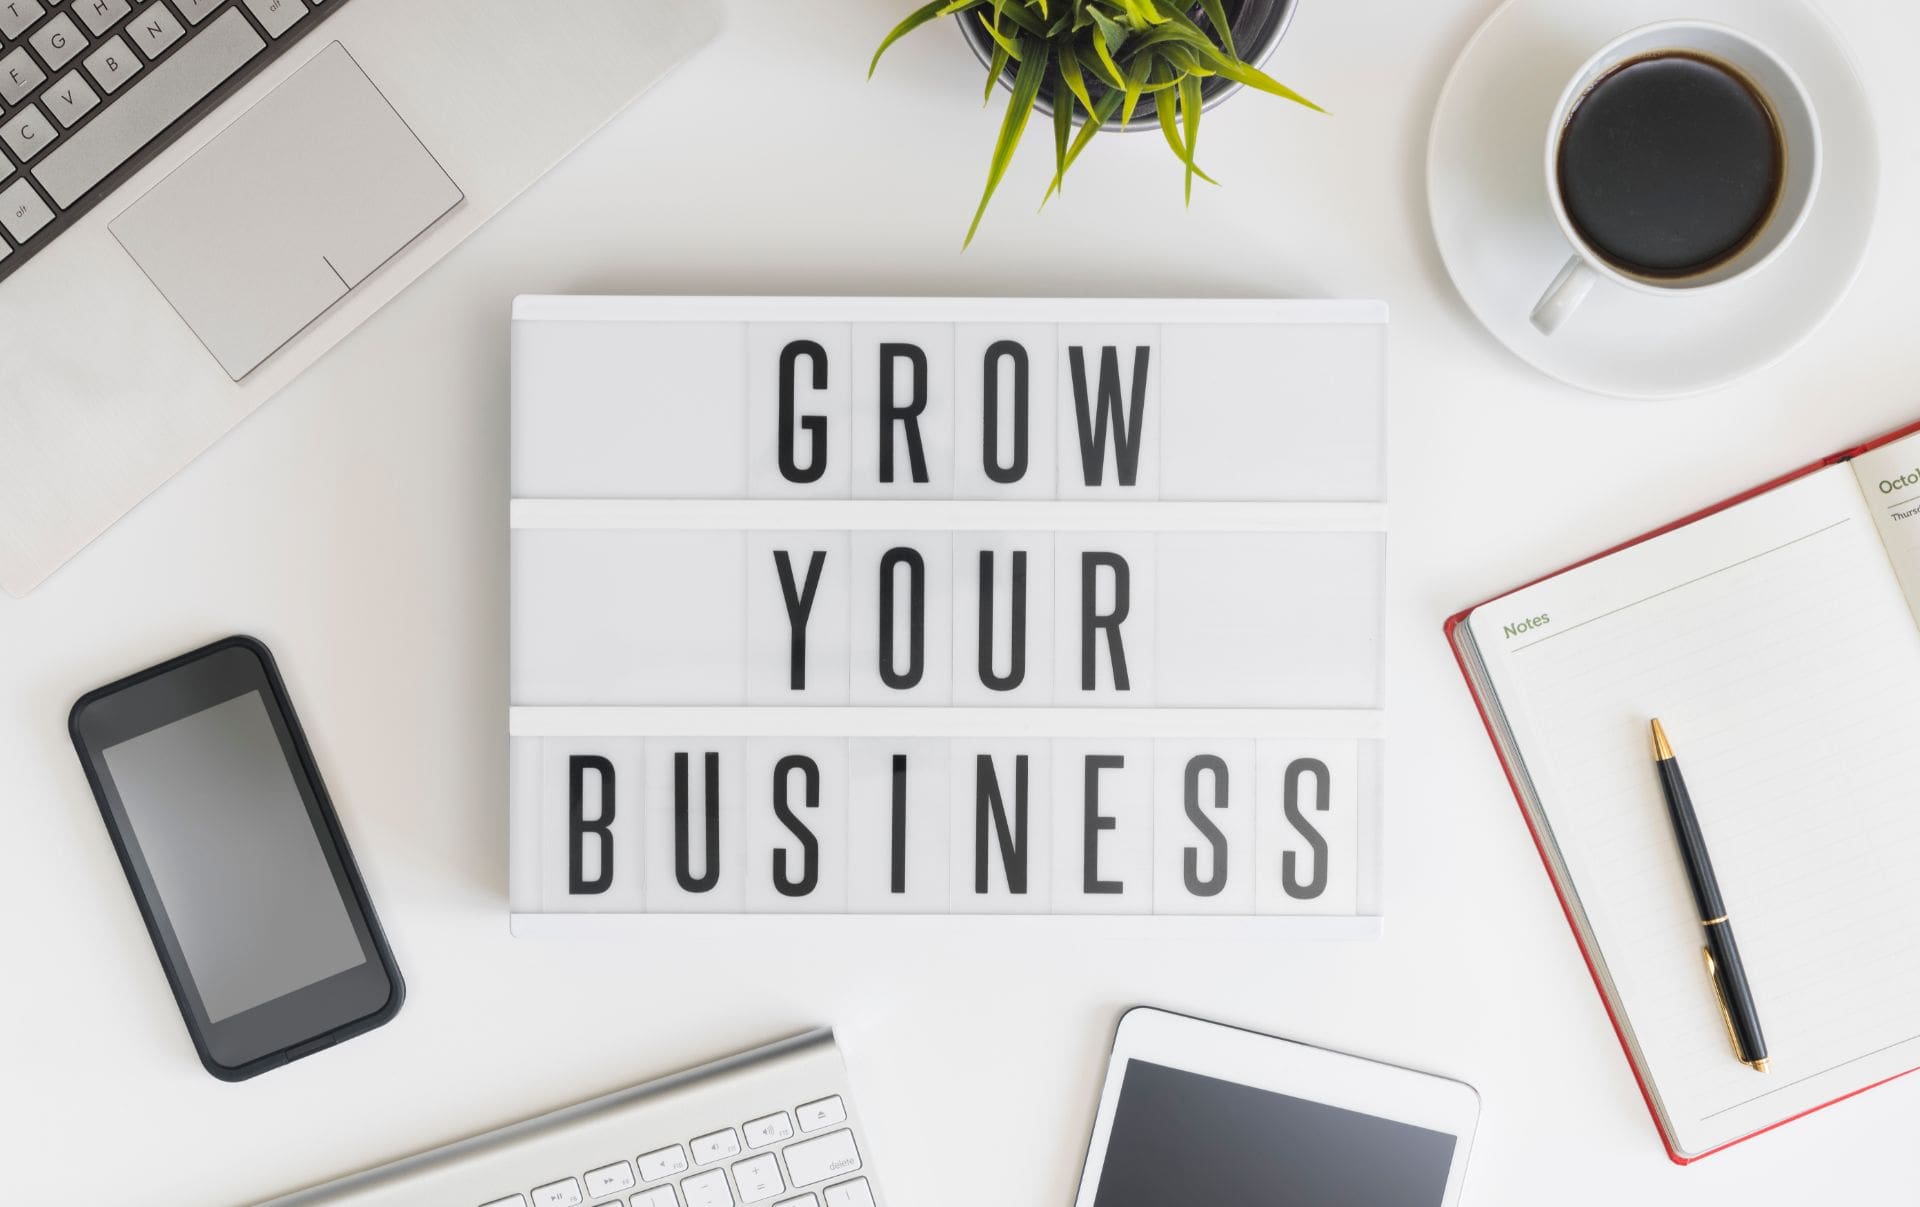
{"type": "Point", "coordinates": [1774, 643]}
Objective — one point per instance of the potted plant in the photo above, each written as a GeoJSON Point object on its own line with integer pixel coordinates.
{"type": "Point", "coordinates": [1124, 64]}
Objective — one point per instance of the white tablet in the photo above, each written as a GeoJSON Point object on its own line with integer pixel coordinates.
{"type": "Point", "coordinates": [1195, 1112]}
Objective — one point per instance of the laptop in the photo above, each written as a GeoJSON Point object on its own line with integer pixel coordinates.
{"type": "Point", "coordinates": [198, 198]}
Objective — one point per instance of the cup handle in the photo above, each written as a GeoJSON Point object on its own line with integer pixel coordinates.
{"type": "Point", "coordinates": [1564, 296]}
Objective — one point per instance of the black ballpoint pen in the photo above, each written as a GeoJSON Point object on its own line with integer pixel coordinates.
{"type": "Point", "coordinates": [1728, 974]}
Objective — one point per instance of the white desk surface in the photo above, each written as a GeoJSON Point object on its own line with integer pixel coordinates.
{"type": "Point", "coordinates": [355, 525]}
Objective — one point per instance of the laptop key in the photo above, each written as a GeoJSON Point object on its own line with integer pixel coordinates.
{"type": "Point", "coordinates": [17, 15]}
{"type": "Point", "coordinates": [816, 1116]}
{"type": "Point", "coordinates": [564, 1193]}
{"type": "Point", "coordinates": [609, 1179]}
{"type": "Point", "coordinates": [196, 11]}
{"type": "Point", "coordinates": [19, 75]}
{"type": "Point", "coordinates": [278, 16]}
{"type": "Point", "coordinates": [100, 15]}
{"type": "Point", "coordinates": [708, 1189]}
{"type": "Point", "coordinates": [113, 64]}
{"type": "Point", "coordinates": [69, 100]}
{"type": "Point", "coordinates": [28, 133]}
{"type": "Point", "coordinates": [154, 103]}
{"type": "Point", "coordinates": [857, 1193]}
{"type": "Point", "coordinates": [758, 1178]}
{"type": "Point", "coordinates": [833, 1155]}
{"type": "Point", "coordinates": [58, 41]}
{"type": "Point", "coordinates": [716, 1147]}
{"type": "Point", "coordinates": [22, 211]}
{"type": "Point", "coordinates": [155, 29]}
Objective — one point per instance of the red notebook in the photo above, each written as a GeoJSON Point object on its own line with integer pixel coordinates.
{"type": "Point", "coordinates": [1777, 637]}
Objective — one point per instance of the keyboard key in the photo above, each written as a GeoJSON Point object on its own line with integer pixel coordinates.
{"type": "Point", "coordinates": [512, 1200]}
{"type": "Point", "coordinates": [17, 15]}
{"type": "Point", "coordinates": [69, 100]}
{"type": "Point", "coordinates": [805, 1200]}
{"type": "Point", "coordinates": [758, 1178]}
{"type": "Point", "coordinates": [58, 41]}
{"type": "Point", "coordinates": [708, 1190]}
{"type": "Point", "coordinates": [831, 1156]}
{"type": "Point", "coordinates": [850, 1194]}
{"type": "Point", "coordinates": [609, 1179]}
{"type": "Point", "coordinates": [822, 1114]}
{"type": "Point", "coordinates": [28, 132]}
{"type": "Point", "coordinates": [155, 29]}
{"type": "Point", "coordinates": [196, 11]}
{"type": "Point", "coordinates": [22, 211]}
{"type": "Point", "coordinates": [564, 1193]}
{"type": "Point", "coordinates": [19, 75]}
{"type": "Point", "coordinates": [659, 1196]}
{"type": "Point", "coordinates": [770, 1130]}
{"type": "Point", "coordinates": [100, 15]}
{"type": "Point", "coordinates": [716, 1147]}
{"type": "Point", "coordinates": [663, 1163]}
{"type": "Point", "coordinates": [278, 16]}
{"type": "Point", "coordinates": [155, 103]}
{"type": "Point", "coordinates": [113, 64]}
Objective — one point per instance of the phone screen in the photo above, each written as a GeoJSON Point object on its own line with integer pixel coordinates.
{"type": "Point", "coordinates": [232, 852]}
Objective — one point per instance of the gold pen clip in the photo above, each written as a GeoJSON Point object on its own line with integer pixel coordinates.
{"type": "Point", "coordinates": [1713, 977]}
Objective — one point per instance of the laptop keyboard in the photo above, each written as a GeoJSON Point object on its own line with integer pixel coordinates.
{"type": "Point", "coordinates": [90, 90]}
{"type": "Point", "coordinates": [775, 1127]}
{"type": "Point", "coordinates": [764, 1160]}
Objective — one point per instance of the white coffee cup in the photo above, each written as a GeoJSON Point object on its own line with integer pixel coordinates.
{"type": "Point", "coordinates": [1793, 115]}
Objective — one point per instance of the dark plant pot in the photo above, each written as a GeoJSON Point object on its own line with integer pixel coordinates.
{"type": "Point", "coordinates": [1258, 26]}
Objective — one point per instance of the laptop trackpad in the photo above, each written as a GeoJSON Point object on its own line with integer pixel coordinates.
{"type": "Point", "coordinates": [286, 210]}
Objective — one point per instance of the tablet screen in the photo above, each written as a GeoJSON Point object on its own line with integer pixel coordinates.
{"type": "Point", "coordinates": [1182, 1138]}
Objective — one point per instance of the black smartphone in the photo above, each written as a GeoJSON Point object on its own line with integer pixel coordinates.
{"type": "Point", "coordinates": [235, 856]}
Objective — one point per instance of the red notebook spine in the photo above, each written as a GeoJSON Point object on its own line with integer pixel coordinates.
{"type": "Point", "coordinates": [1451, 628]}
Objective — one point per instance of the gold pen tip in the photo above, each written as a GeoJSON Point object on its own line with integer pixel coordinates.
{"type": "Point", "coordinates": [1661, 750]}
{"type": "Point", "coordinates": [1760, 1066]}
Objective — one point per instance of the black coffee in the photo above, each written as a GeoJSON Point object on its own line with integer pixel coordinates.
{"type": "Point", "coordinates": [1670, 164]}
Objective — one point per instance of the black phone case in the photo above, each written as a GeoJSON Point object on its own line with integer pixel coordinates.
{"type": "Point", "coordinates": [382, 952]}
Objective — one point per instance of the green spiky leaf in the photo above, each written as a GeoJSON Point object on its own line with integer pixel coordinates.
{"type": "Point", "coordinates": [1026, 89]}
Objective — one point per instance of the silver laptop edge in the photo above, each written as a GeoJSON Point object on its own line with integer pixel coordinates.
{"type": "Point", "coordinates": [105, 389]}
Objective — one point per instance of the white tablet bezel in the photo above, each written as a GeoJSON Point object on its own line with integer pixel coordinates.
{"type": "Point", "coordinates": [1299, 1070]}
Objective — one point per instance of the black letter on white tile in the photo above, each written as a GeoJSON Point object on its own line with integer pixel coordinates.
{"type": "Point", "coordinates": [1095, 821]}
{"type": "Point", "coordinates": [1217, 881]}
{"type": "Point", "coordinates": [809, 845]}
{"type": "Point", "coordinates": [1126, 428]}
{"type": "Point", "coordinates": [899, 884]}
{"type": "Point", "coordinates": [987, 803]}
{"type": "Point", "coordinates": [916, 617]}
{"type": "Point", "coordinates": [814, 425]}
{"type": "Point", "coordinates": [799, 606]}
{"type": "Point", "coordinates": [682, 839]}
{"type": "Point", "coordinates": [908, 415]}
{"type": "Point", "coordinates": [578, 827]}
{"type": "Point", "coordinates": [1091, 621]}
{"type": "Point", "coordinates": [1017, 634]}
{"type": "Point", "coordinates": [1015, 469]}
{"type": "Point", "coordinates": [1321, 802]}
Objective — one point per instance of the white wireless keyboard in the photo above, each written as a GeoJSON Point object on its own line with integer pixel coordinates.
{"type": "Point", "coordinates": [774, 1126]}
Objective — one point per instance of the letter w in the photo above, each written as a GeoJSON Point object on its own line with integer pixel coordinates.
{"type": "Point", "coordinates": [1093, 427]}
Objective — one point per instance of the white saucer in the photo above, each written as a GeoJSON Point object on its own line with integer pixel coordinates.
{"type": "Point", "coordinates": [1487, 194]}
